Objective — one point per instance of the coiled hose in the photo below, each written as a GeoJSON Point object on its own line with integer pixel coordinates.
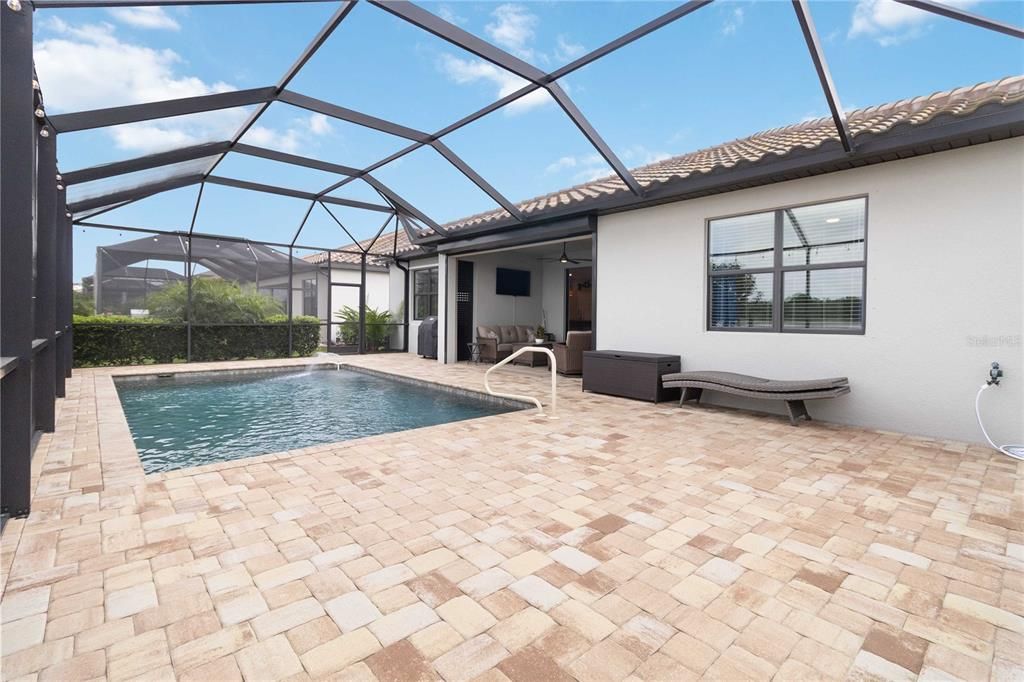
{"type": "Point", "coordinates": [1015, 451]}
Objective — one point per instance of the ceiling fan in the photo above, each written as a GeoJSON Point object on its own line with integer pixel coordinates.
{"type": "Point", "coordinates": [564, 258]}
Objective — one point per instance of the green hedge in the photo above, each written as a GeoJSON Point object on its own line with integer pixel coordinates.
{"type": "Point", "coordinates": [118, 340]}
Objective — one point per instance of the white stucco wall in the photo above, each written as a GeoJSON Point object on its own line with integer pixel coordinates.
{"type": "Point", "coordinates": [490, 308]}
{"type": "Point", "coordinates": [396, 302]}
{"type": "Point", "coordinates": [378, 289]}
{"type": "Point", "coordinates": [553, 297]}
{"type": "Point", "coordinates": [414, 325]}
{"type": "Point", "coordinates": [945, 293]}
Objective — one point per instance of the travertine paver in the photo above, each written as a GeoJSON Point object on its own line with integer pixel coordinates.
{"type": "Point", "coordinates": [622, 541]}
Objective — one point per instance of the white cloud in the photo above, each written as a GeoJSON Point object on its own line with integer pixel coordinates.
{"type": "Point", "coordinates": [513, 29]}
{"type": "Point", "coordinates": [639, 155]}
{"type": "Point", "coordinates": [448, 14]}
{"type": "Point", "coordinates": [319, 124]}
{"type": "Point", "coordinates": [145, 17]}
{"type": "Point", "coordinates": [588, 167]}
{"type": "Point", "coordinates": [565, 50]}
{"type": "Point", "coordinates": [891, 23]}
{"type": "Point", "coordinates": [579, 168]}
{"type": "Point", "coordinates": [90, 67]}
{"type": "Point", "coordinates": [681, 136]}
{"type": "Point", "coordinates": [300, 133]}
{"type": "Point", "coordinates": [561, 164]}
{"type": "Point", "coordinates": [153, 137]}
{"type": "Point", "coordinates": [466, 71]}
{"type": "Point", "coordinates": [733, 22]}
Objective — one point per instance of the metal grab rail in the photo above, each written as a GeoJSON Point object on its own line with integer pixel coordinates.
{"type": "Point", "coordinates": [551, 365]}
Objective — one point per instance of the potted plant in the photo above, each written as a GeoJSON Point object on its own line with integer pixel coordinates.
{"type": "Point", "coordinates": [540, 334]}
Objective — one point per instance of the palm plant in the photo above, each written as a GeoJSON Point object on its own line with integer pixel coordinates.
{"type": "Point", "coordinates": [378, 327]}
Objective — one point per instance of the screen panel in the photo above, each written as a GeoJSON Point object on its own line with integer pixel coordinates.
{"type": "Point", "coordinates": [529, 148]}
{"type": "Point", "coordinates": [428, 181]}
{"type": "Point", "coordinates": [549, 34]}
{"type": "Point", "coordinates": [280, 174]}
{"type": "Point", "coordinates": [122, 281]}
{"type": "Point", "coordinates": [395, 71]}
{"type": "Point", "coordinates": [723, 72]}
{"type": "Point", "coordinates": [918, 52]}
{"type": "Point", "coordinates": [294, 130]}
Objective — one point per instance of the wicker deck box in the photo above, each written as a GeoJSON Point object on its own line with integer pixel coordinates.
{"type": "Point", "coordinates": [629, 375]}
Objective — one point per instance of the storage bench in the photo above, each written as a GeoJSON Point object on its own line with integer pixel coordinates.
{"type": "Point", "coordinates": [629, 375]}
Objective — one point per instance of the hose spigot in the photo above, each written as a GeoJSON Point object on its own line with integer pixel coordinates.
{"type": "Point", "coordinates": [994, 375]}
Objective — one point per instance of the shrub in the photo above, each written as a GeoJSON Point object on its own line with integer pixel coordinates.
{"type": "Point", "coordinates": [82, 303]}
{"type": "Point", "coordinates": [213, 301]}
{"type": "Point", "coordinates": [378, 327]}
{"type": "Point", "coordinates": [119, 340]}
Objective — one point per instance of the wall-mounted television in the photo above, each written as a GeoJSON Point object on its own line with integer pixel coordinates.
{"type": "Point", "coordinates": [512, 282]}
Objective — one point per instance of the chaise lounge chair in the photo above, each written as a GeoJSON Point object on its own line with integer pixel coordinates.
{"type": "Point", "coordinates": [794, 393]}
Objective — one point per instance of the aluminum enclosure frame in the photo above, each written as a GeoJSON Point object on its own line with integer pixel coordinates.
{"type": "Point", "coordinates": [407, 11]}
{"type": "Point", "coordinates": [36, 334]}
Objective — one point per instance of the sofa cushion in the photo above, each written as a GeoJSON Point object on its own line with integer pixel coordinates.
{"type": "Point", "coordinates": [508, 334]}
{"type": "Point", "coordinates": [505, 346]}
{"type": "Point", "coordinates": [578, 339]}
{"type": "Point", "coordinates": [483, 332]}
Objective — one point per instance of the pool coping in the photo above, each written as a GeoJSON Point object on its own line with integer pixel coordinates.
{"type": "Point", "coordinates": [322, 366]}
{"type": "Point", "coordinates": [445, 388]}
{"type": "Point", "coordinates": [106, 382]}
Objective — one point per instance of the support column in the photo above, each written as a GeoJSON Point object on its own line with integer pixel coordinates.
{"type": "Point", "coordinates": [291, 296]}
{"type": "Point", "coordinates": [593, 282]}
{"type": "Point", "coordinates": [68, 317]}
{"type": "Point", "coordinates": [17, 148]}
{"type": "Point", "coordinates": [63, 293]}
{"type": "Point", "coordinates": [330, 294]}
{"type": "Point", "coordinates": [44, 380]}
{"type": "Point", "coordinates": [362, 303]}
{"type": "Point", "coordinates": [442, 308]}
{"type": "Point", "coordinates": [405, 304]}
{"type": "Point", "coordinates": [188, 299]}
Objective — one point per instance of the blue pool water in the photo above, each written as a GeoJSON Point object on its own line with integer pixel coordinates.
{"type": "Point", "coordinates": [194, 419]}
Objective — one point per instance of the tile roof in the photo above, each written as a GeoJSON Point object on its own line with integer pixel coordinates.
{"type": "Point", "coordinates": [772, 143]}
{"type": "Point", "coordinates": [759, 147]}
{"type": "Point", "coordinates": [385, 246]}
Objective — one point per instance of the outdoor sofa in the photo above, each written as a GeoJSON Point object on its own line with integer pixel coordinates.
{"type": "Point", "coordinates": [794, 393]}
{"type": "Point", "coordinates": [497, 342]}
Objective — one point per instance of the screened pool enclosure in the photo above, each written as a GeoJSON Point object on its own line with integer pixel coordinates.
{"type": "Point", "coordinates": [67, 235]}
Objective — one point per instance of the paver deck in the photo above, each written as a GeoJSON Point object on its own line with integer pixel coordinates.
{"type": "Point", "coordinates": [622, 541]}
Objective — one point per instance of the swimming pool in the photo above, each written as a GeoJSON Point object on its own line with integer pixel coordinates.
{"type": "Point", "coordinates": [197, 418]}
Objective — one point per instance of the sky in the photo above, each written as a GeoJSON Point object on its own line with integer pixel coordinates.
{"type": "Point", "coordinates": [728, 70]}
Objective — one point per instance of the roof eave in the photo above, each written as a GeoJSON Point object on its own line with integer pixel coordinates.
{"type": "Point", "coordinates": [988, 123]}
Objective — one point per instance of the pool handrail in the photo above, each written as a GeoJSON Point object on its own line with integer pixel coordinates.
{"type": "Point", "coordinates": [513, 396]}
